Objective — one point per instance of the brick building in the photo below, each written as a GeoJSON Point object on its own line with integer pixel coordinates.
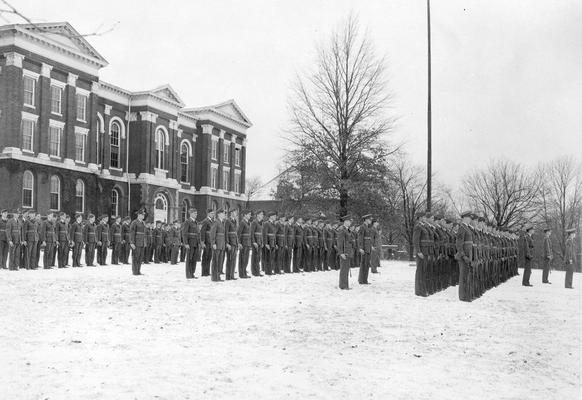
{"type": "Point", "coordinates": [70, 142]}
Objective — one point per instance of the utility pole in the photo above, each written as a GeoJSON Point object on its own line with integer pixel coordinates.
{"type": "Point", "coordinates": [429, 122]}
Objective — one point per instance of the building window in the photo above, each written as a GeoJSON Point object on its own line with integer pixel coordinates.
{"type": "Point", "coordinates": [80, 196]}
{"type": "Point", "coordinates": [237, 182]}
{"type": "Point", "coordinates": [55, 193]}
{"type": "Point", "coordinates": [160, 149]}
{"type": "Point", "coordinates": [114, 202]}
{"type": "Point", "coordinates": [55, 134]}
{"type": "Point", "coordinates": [28, 134]}
{"type": "Point", "coordinates": [82, 108]}
{"type": "Point", "coordinates": [225, 179]}
{"type": "Point", "coordinates": [114, 141]}
{"type": "Point", "coordinates": [184, 155]}
{"type": "Point", "coordinates": [80, 139]}
{"type": "Point", "coordinates": [56, 99]}
{"type": "Point", "coordinates": [214, 153]}
{"type": "Point", "coordinates": [237, 157]}
{"type": "Point", "coordinates": [27, 189]}
{"type": "Point", "coordinates": [29, 89]}
{"type": "Point", "coordinates": [184, 210]}
{"type": "Point", "coordinates": [226, 153]}
{"type": "Point", "coordinates": [99, 139]}
{"type": "Point", "coordinates": [214, 177]}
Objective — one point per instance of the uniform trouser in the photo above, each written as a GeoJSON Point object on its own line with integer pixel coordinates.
{"type": "Point", "coordinates": [102, 254]}
{"type": "Point", "coordinates": [53, 255]}
{"type": "Point", "coordinates": [183, 253]}
{"type": "Point", "coordinates": [364, 268]}
{"type": "Point", "coordinates": [375, 260]}
{"type": "Point", "coordinates": [420, 277]}
{"type": "Point", "coordinates": [15, 257]}
{"type": "Point", "coordinates": [315, 259]}
{"type": "Point", "coordinates": [271, 260]}
{"type": "Point", "coordinates": [136, 259]}
{"type": "Point", "coordinates": [157, 253]}
{"type": "Point", "coordinates": [243, 260]}
{"type": "Point", "coordinates": [464, 281]}
{"type": "Point", "coordinates": [307, 259]}
{"type": "Point", "coordinates": [66, 256]}
{"type": "Point", "coordinates": [569, 275]}
{"type": "Point", "coordinates": [63, 251]}
{"type": "Point", "coordinates": [256, 261]}
{"type": "Point", "coordinates": [280, 260]}
{"type": "Point", "coordinates": [89, 253]}
{"type": "Point", "coordinates": [190, 261]}
{"type": "Point", "coordinates": [31, 255]}
{"type": "Point", "coordinates": [4, 250]}
{"type": "Point", "coordinates": [23, 252]}
{"type": "Point", "coordinates": [174, 252]}
{"type": "Point", "coordinates": [344, 272]}
{"type": "Point", "coordinates": [297, 258]}
{"type": "Point", "coordinates": [324, 261]}
{"type": "Point", "coordinates": [77, 254]}
{"type": "Point", "coordinates": [546, 271]}
{"type": "Point", "coordinates": [288, 258]}
{"type": "Point", "coordinates": [37, 255]}
{"type": "Point", "coordinates": [49, 249]}
{"type": "Point", "coordinates": [217, 263]}
{"type": "Point", "coordinates": [526, 272]}
{"type": "Point", "coordinates": [206, 259]}
{"type": "Point", "coordinates": [125, 249]}
{"type": "Point", "coordinates": [230, 262]}
{"type": "Point", "coordinates": [115, 253]}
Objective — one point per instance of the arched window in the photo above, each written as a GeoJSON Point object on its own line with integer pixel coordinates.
{"type": "Point", "coordinates": [55, 193]}
{"type": "Point", "coordinates": [214, 205]}
{"type": "Point", "coordinates": [80, 196]}
{"type": "Point", "coordinates": [114, 203]}
{"type": "Point", "coordinates": [160, 208]}
{"type": "Point", "coordinates": [115, 132]}
{"type": "Point", "coordinates": [185, 153]}
{"type": "Point", "coordinates": [160, 153]}
{"type": "Point", "coordinates": [27, 189]}
{"type": "Point", "coordinates": [226, 207]}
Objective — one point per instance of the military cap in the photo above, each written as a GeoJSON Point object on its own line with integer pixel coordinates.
{"type": "Point", "coordinates": [439, 216]}
{"type": "Point", "coordinates": [176, 221]}
{"type": "Point", "coordinates": [367, 216]}
{"type": "Point", "coordinates": [259, 212]}
{"type": "Point", "coordinates": [158, 222]}
{"type": "Point", "coordinates": [346, 217]}
{"type": "Point", "coordinates": [90, 216]}
{"type": "Point", "coordinates": [210, 210]}
{"type": "Point", "coordinates": [571, 230]}
{"type": "Point", "coordinates": [467, 213]}
{"type": "Point", "coordinates": [126, 219]}
{"type": "Point", "coordinates": [220, 211]}
{"type": "Point", "coordinates": [3, 211]}
{"type": "Point", "coordinates": [78, 214]}
{"type": "Point", "coordinates": [528, 227]}
{"type": "Point", "coordinates": [62, 214]}
{"type": "Point", "coordinates": [547, 229]}
{"type": "Point", "coordinates": [104, 216]}
{"type": "Point", "coordinates": [192, 210]}
{"type": "Point", "coordinates": [31, 211]}
{"type": "Point", "coordinates": [271, 213]}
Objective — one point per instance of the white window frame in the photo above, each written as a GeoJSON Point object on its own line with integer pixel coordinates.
{"type": "Point", "coordinates": [28, 173]}
{"type": "Point", "coordinates": [58, 193]}
{"type": "Point", "coordinates": [61, 87]}
{"type": "Point", "coordinates": [214, 148]}
{"type": "Point", "coordinates": [237, 182]}
{"type": "Point", "coordinates": [226, 182]}
{"type": "Point", "coordinates": [33, 76]}
{"type": "Point", "coordinates": [32, 118]}
{"type": "Point", "coordinates": [237, 156]}
{"type": "Point", "coordinates": [117, 146]}
{"type": "Point", "coordinates": [115, 210]}
{"type": "Point", "coordinates": [56, 126]}
{"type": "Point", "coordinates": [188, 155]}
{"type": "Point", "coordinates": [225, 152]}
{"type": "Point", "coordinates": [214, 176]}
{"type": "Point", "coordinates": [82, 195]}
{"type": "Point", "coordinates": [81, 95]}
{"type": "Point", "coordinates": [160, 149]}
{"type": "Point", "coordinates": [81, 132]}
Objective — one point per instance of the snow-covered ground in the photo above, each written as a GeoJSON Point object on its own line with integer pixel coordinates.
{"type": "Point", "coordinates": [101, 333]}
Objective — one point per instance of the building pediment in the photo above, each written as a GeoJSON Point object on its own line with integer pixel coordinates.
{"type": "Point", "coordinates": [227, 113]}
{"type": "Point", "coordinates": [168, 93]}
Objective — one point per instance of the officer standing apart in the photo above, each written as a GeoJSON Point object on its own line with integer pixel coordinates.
{"type": "Point", "coordinates": [192, 242]}
{"type": "Point", "coordinates": [345, 251]}
{"type": "Point", "coordinates": [570, 257]}
{"type": "Point", "coordinates": [529, 254]}
{"type": "Point", "coordinates": [365, 248]}
{"type": "Point", "coordinates": [137, 242]}
{"type": "Point", "coordinates": [548, 256]}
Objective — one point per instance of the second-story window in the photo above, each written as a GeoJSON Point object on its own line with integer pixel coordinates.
{"type": "Point", "coordinates": [29, 85]}
{"type": "Point", "coordinates": [237, 157]}
{"type": "Point", "coordinates": [55, 135]}
{"type": "Point", "coordinates": [214, 148]}
{"type": "Point", "coordinates": [214, 177]}
{"type": "Point", "coordinates": [226, 153]}
{"type": "Point", "coordinates": [184, 158]}
{"type": "Point", "coordinates": [225, 179]}
{"type": "Point", "coordinates": [160, 153]}
{"type": "Point", "coordinates": [114, 144]}
{"type": "Point", "coordinates": [82, 108]}
{"type": "Point", "coordinates": [56, 99]}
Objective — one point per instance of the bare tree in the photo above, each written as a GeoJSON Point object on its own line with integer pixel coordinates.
{"type": "Point", "coordinates": [338, 115]}
{"type": "Point", "coordinates": [505, 192]}
{"type": "Point", "coordinates": [253, 186]}
{"type": "Point", "coordinates": [561, 195]}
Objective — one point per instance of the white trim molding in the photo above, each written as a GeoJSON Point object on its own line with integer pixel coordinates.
{"type": "Point", "coordinates": [82, 92]}
{"type": "Point", "coordinates": [72, 79]}
{"type": "Point", "coordinates": [148, 116]}
{"type": "Point", "coordinates": [121, 124]}
{"type": "Point", "coordinates": [59, 84]}
{"type": "Point", "coordinates": [45, 70]}
{"type": "Point", "coordinates": [30, 74]}
{"type": "Point", "coordinates": [29, 116]}
{"type": "Point", "coordinates": [166, 134]}
{"type": "Point", "coordinates": [81, 130]}
{"type": "Point", "coordinates": [207, 129]}
{"type": "Point", "coordinates": [14, 59]}
{"type": "Point", "coordinates": [108, 108]}
{"type": "Point", "coordinates": [57, 124]}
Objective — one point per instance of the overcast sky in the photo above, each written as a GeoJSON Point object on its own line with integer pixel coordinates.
{"type": "Point", "coordinates": [507, 75]}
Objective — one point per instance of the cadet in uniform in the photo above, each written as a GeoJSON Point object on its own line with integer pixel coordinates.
{"type": "Point", "coordinates": [115, 235]}
{"type": "Point", "coordinates": [89, 237]}
{"type": "Point", "coordinates": [205, 235]}
{"type": "Point", "coordinates": [365, 249]}
{"type": "Point", "coordinates": [548, 255]}
{"type": "Point", "coordinates": [529, 254]}
{"type": "Point", "coordinates": [137, 242]}
{"type": "Point", "coordinates": [269, 240]}
{"type": "Point", "coordinates": [30, 234]}
{"type": "Point", "coordinates": [307, 250]}
{"type": "Point", "coordinates": [102, 237]}
{"type": "Point", "coordinates": [48, 240]}
{"type": "Point", "coordinates": [14, 232]}
{"type": "Point", "coordinates": [76, 235]}
{"type": "Point", "coordinates": [218, 243]}
{"type": "Point", "coordinates": [63, 240]}
{"type": "Point", "coordinates": [257, 240]}
{"type": "Point", "coordinates": [376, 246]}
{"type": "Point", "coordinates": [298, 244]}
{"type": "Point", "coordinates": [345, 250]}
{"type": "Point", "coordinates": [280, 245]}
{"type": "Point", "coordinates": [4, 246]}
{"type": "Point", "coordinates": [289, 242]}
{"type": "Point", "coordinates": [570, 257]}
{"type": "Point", "coordinates": [158, 242]}
{"type": "Point", "coordinates": [232, 244]}
{"type": "Point", "coordinates": [175, 242]}
{"type": "Point", "coordinates": [125, 247]}
{"type": "Point", "coordinates": [244, 236]}
{"type": "Point", "coordinates": [464, 255]}
{"type": "Point", "coordinates": [192, 242]}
